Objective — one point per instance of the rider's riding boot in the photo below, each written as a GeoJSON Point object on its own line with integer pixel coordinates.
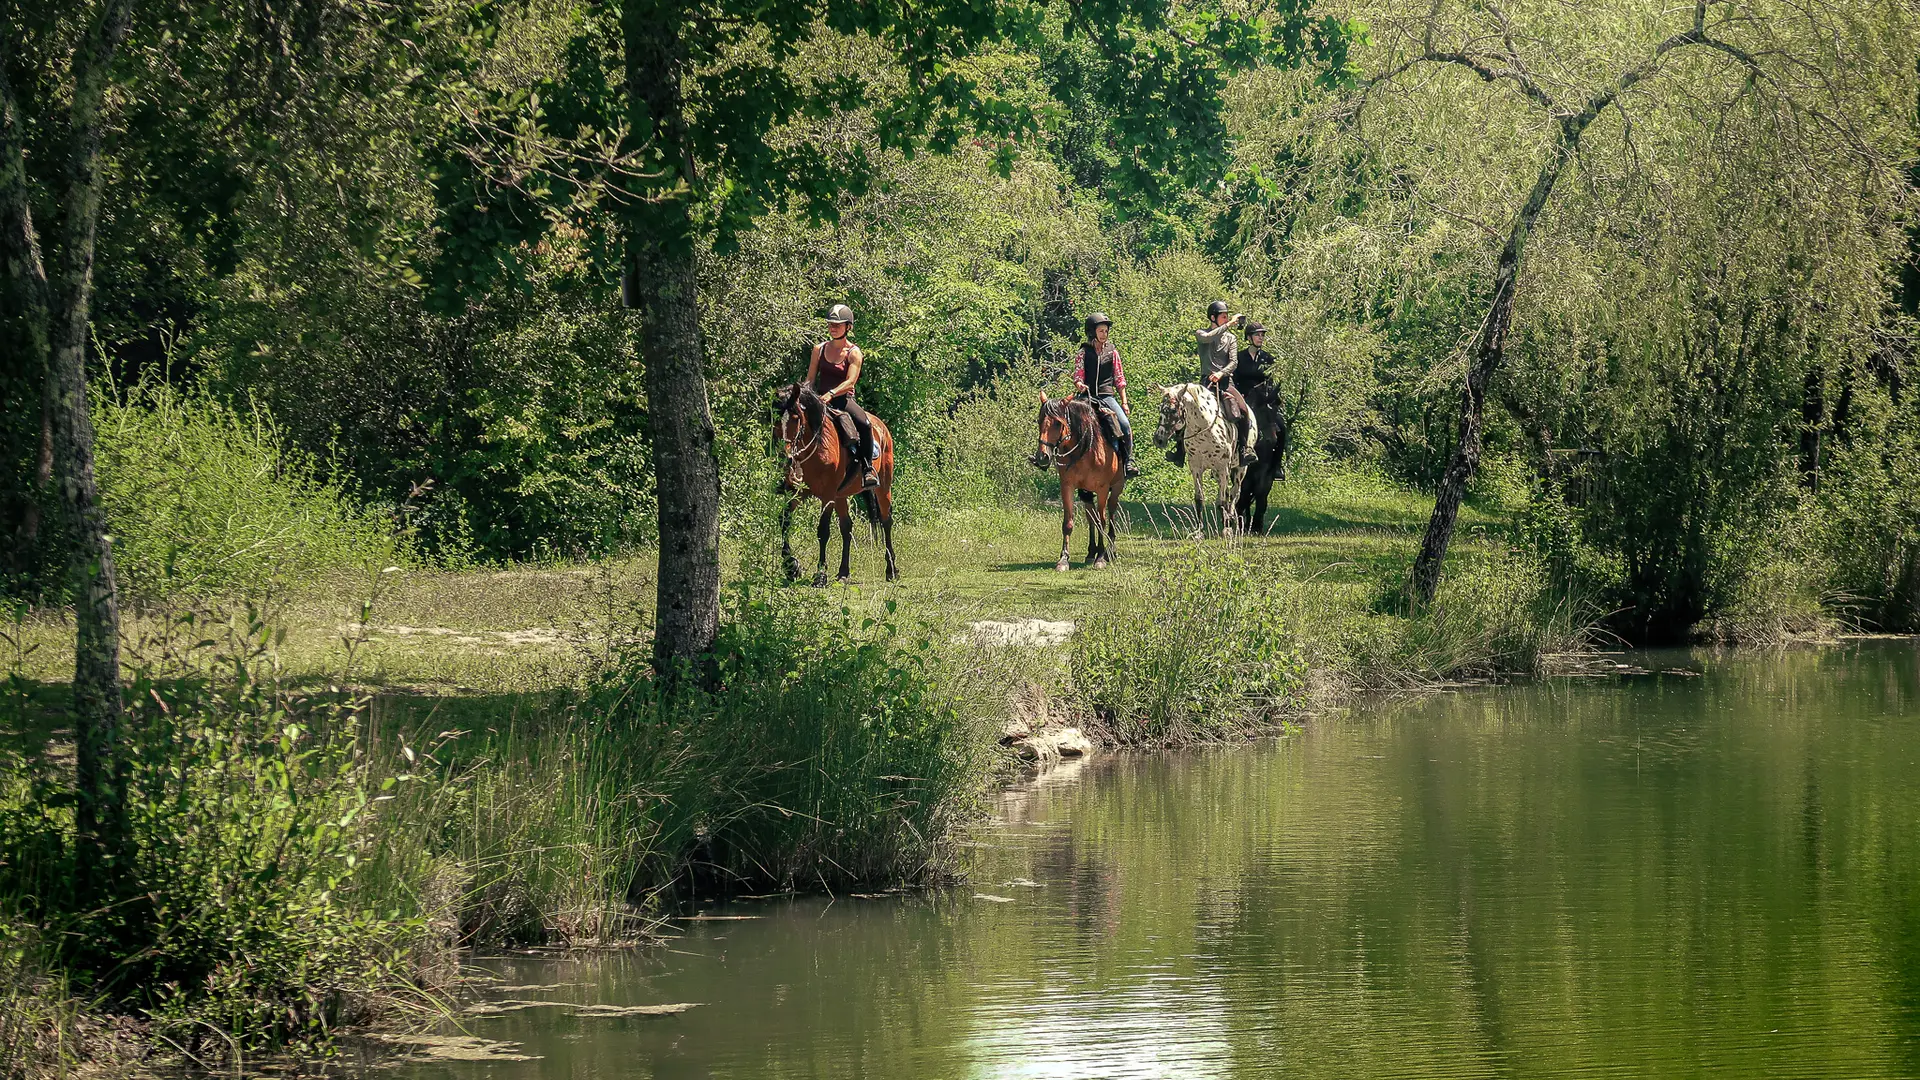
{"type": "Point", "coordinates": [1126, 457]}
{"type": "Point", "coordinates": [1248, 452]}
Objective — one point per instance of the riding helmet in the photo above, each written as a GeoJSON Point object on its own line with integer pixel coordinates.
{"type": "Point", "coordinates": [1255, 328]}
{"type": "Point", "coordinates": [1216, 309]}
{"type": "Point", "coordinates": [839, 313]}
{"type": "Point", "coordinates": [1098, 318]}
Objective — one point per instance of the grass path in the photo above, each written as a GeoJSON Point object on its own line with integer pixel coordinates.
{"type": "Point", "coordinates": [535, 629]}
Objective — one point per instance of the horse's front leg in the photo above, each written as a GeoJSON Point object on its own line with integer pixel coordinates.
{"type": "Point", "coordinates": [1066, 523]}
{"type": "Point", "coordinates": [788, 564]}
{"type": "Point", "coordinates": [1199, 509]}
{"type": "Point", "coordinates": [826, 517]}
{"type": "Point", "coordinates": [846, 538]}
{"type": "Point", "coordinates": [1229, 495]}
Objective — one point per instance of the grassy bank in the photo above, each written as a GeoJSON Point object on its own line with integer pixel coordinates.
{"type": "Point", "coordinates": [501, 770]}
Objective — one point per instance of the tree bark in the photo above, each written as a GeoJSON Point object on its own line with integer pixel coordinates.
{"type": "Point", "coordinates": [27, 285]}
{"type": "Point", "coordinates": [1489, 349]}
{"type": "Point", "coordinates": [662, 281]}
{"type": "Point", "coordinates": [97, 704]}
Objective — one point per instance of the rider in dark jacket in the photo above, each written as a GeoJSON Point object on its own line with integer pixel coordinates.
{"type": "Point", "coordinates": [1099, 375]}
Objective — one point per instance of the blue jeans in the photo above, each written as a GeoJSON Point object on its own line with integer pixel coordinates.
{"type": "Point", "coordinates": [1119, 414]}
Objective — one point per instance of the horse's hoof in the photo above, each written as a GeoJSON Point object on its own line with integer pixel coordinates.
{"type": "Point", "coordinates": [893, 575]}
{"type": "Point", "coordinates": [1099, 564]}
{"type": "Point", "coordinates": [842, 580]}
{"type": "Point", "coordinates": [819, 581]}
{"type": "Point", "coordinates": [1063, 566]}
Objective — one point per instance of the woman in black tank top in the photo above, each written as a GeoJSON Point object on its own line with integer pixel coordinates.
{"type": "Point", "coordinates": [834, 375]}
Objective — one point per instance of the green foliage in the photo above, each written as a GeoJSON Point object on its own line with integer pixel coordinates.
{"type": "Point", "coordinates": [1200, 651]}
{"type": "Point", "coordinates": [233, 912]}
{"type": "Point", "coordinates": [832, 751]}
{"type": "Point", "coordinates": [207, 499]}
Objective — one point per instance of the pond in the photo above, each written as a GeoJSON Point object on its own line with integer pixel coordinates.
{"type": "Point", "coordinates": [1713, 870]}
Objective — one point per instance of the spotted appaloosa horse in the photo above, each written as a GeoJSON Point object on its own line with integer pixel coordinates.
{"type": "Point", "coordinates": [819, 466]}
{"type": "Point", "coordinates": [1193, 411]}
{"type": "Point", "coordinates": [1072, 441]}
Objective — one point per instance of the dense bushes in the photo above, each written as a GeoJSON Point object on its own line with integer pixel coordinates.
{"type": "Point", "coordinates": [207, 499]}
{"type": "Point", "coordinates": [234, 905]}
{"type": "Point", "coordinates": [1216, 643]}
{"type": "Point", "coordinates": [1205, 645]}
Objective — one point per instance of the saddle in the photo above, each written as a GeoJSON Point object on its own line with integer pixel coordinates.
{"type": "Point", "coordinates": [1109, 424]}
{"type": "Point", "coordinates": [849, 432]}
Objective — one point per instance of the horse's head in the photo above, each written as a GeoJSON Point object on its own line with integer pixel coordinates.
{"type": "Point", "coordinates": [1172, 417]}
{"type": "Point", "coordinates": [1056, 429]}
{"type": "Point", "coordinates": [797, 416]}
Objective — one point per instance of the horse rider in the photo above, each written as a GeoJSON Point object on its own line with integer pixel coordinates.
{"type": "Point", "coordinates": [1217, 361]}
{"type": "Point", "coordinates": [834, 372]}
{"type": "Point", "coordinates": [1250, 370]}
{"type": "Point", "coordinates": [1100, 377]}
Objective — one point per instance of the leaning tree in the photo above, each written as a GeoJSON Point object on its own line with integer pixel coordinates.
{"type": "Point", "coordinates": [1568, 69]}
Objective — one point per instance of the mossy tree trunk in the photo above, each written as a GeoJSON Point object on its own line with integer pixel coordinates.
{"type": "Point", "coordinates": [662, 281]}
{"type": "Point", "coordinates": [58, 306]}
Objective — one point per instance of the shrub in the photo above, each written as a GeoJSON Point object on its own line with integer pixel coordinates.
{"type": "Point", "coordinates": [236, 904]}
{"type": "Point", "coordinates": [1201, 650]}
{"type": "Point", "coordinates": [833, 749]}
{"type": "Point", "coordinates": [206, 499]}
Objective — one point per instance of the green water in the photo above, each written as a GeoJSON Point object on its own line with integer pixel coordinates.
{"type": "Point", "coordinates": [1643, 876]}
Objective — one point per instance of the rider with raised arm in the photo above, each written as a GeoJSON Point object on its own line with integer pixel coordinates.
{"type": "Point", "coordinates": [834, 372]}
{"type": "Point", "coordinates": [1217, 360]}
{"type": "Point", "coordinates": [1099, 375]}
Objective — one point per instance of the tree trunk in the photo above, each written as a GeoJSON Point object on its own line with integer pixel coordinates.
{"type": "Point", "coordinates": [97, 701]}
{"type": "Point", "coordinates": [662, 281]}
{"type": "Point", "coordinates": [1489, 349]}
{"type": "Point", "coordinates": [26, 287]}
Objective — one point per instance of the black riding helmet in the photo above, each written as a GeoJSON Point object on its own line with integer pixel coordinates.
{"type": "Point", "coordinates": [840, 313]}
{"type": "Point", "coordinates": [1217, 309]}
{"type": "Point", "coordinates": [1255, 328]}
{"type": "Point", "coordinates": [1098, 318]}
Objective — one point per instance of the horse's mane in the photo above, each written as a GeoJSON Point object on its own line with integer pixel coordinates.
{"type": "Point", "coordinates": [812, 406]}
{"type": "Point", "coordinates": [1080, 421]}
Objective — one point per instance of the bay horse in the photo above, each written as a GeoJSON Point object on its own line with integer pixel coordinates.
{"type": "Point", "coordinates": [1273, 428]}
{"type": "Point", "coordinates": [1074, 444]}
{"type": "Point", "coordinates": [1191, 410]}
{"type": "Point", "coordinates": [819, 466]}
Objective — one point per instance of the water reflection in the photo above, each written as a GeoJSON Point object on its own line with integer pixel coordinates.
{"type": "Point", "coordinates": [1665, 875]}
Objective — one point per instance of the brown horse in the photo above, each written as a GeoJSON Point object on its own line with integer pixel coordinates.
{"type": "Point", "coordinates": [1071, 440]}
{"type": "Point", "coordinates": [819, 465]}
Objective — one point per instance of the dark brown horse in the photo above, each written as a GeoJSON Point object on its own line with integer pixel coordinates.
{"type": "Point", "coordinates": [819, 466]}
{"type": "Point", "coordinates": [1072, 442]}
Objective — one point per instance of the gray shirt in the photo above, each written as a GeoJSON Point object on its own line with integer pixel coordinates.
{"type": "Point", "coordinates": [1219, 351]}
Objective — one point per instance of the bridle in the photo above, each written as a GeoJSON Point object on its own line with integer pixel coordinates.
{"type": "Point", "coordinates": [1062, 453]}
{"type": "Point", "coordinates": [813, 445]}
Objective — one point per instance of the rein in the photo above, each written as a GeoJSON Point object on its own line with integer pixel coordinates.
{"type": "Point", "coordinates": [813, 446]}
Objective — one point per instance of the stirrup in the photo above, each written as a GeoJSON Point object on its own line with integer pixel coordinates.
{"type": "Point", "coordinates": [869, 481]}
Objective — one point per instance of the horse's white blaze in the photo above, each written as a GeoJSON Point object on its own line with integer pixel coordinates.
{"type": "Point", "coordinates": [1210, 447]}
